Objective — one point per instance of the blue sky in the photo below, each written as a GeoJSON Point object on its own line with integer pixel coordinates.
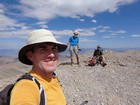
{"type": "Point", "coordinates": [109, 23]}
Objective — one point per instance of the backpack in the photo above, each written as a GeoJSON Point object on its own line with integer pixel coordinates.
{"type": "Point", "coordinates": [5, 93]}
{"type": "Point", "coordinates": [92, 62]}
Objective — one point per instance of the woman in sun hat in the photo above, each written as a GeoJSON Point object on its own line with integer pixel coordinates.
{"type": "Point", "coordinates": [41, 51]}
{"type": "Point", "coordinates": [74, 46]}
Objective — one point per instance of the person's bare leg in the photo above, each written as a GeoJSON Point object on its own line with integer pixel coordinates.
{"type": "Point", "coordinates": [77, 58]}
{"type": "Point", "coordinates": [102, 60]}
{"type": "Point", "coordinates": [71, 58]}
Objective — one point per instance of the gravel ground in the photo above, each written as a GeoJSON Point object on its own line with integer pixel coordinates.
{"type": "Point", "coordinates": [118, 83]}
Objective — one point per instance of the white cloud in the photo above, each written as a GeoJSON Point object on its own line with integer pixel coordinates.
{"type": "Point", "coordinates": [45, 10]}
{"type": "Point", "coordinates": [49, 9]}
{"type": "Point", "coordinates": [113, 34]}
{"type": "Point", "coordinates": [82, 20]}
{"type": "Point", "coordinates": [62, 33]}
{"type": "Point", "coordinates": [107, 36]}
{"type": "Point", "coordinates": [18, 33]}
{"type": "Point", "coordinates": [103, 28]}
{"type": "Point", "coordinates": [4, 20]}
{"type": "Point", "coordinates": [41, 23]}
{"type": "Point", "coordinates": [82, 32]}
{"type": "Point", "coordinates": [43, 26]}
{"type": "Point", "coordinates": [1, 8]}
{"type": "Point", "coordinates": [86, 32]}
{"type": "Point", "coordinates": [94, 21]}
{"type": "Point", "coordinates": [94, 28]}
{"type": "Point", "coordinates": [87, 40]}
{"type": "Point", "coordinates": [135, 36]}
{"type": "Point", "coordinates": [118, 32]}
{"type": "Point", "coordinates": [7, 23]}
{"type": "Point", "coordinates": [102, 31]}
{"type": "Point", "coordinates": [106, 27]}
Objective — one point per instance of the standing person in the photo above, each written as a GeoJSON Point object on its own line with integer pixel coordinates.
{"type": "Point", "coordinates": [41, 52]}
{"type": "Point", "coordinates": [98, 54]}
{"type": "Point", "coordinates": [73, 46]}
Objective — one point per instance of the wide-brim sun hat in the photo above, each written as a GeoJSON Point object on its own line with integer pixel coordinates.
{"type": "Point", "coordinates": [76, 32]}
{"type": "Point", "coordinates": [36, 37]}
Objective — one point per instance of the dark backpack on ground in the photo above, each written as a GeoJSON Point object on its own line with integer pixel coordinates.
{"type": "Point", "coordinates": [92, 62]}
{"type": "Point", "coordinates": [5, 93]}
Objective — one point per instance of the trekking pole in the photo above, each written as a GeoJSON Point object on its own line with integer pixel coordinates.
{"type": "Point", "coordinates": [84, 103]}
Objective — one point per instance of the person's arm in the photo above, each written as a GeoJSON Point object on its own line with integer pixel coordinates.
{"type": "Point", "coordinates": [101, 52]}
{"type": "Point", "coordinates": [78, 45]}
{"type": "Point", "coordinates": [68, 43]}
{"type": "Point", "coordinates": [94, 54]}
{"type": "Point", "coordinates": [25, 92]}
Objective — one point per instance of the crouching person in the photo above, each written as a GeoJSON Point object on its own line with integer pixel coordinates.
{"type": "Point", "coordinates": [98, 54]}
{"type": "Point", "coordinates": [41, 52]}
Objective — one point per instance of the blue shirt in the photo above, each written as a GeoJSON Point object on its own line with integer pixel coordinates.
{"type": "Point", "coordinates": [73, 41]}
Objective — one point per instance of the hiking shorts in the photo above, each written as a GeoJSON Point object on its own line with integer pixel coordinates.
{"type": "Point", "coordinates": [73, 49]}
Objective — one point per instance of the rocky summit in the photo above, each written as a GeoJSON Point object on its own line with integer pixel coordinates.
{"type": "Point", "coordinates": [118, 83]}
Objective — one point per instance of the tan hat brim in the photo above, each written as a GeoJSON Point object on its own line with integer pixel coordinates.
{"type": "Point", "coordinates": [23, 51]}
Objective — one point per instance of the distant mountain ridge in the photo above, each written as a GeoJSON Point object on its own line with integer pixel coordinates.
{"type": "Point", "coordinates": [9, 52]}
{"type": "Point", "coordinates": [14, 52]}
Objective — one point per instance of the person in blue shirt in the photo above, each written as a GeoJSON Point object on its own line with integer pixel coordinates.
{"type": "Point", "coordinates": [74, 47]}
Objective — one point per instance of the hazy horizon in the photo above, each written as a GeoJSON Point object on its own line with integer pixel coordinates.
{"type": "Point", "coordinates": [14, 53]}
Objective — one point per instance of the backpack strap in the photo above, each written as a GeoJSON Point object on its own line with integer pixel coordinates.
{"type": "Point", "coordinates": [41, 90]}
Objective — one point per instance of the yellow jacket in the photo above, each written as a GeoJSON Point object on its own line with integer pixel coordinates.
{"type": "Point", "coordinates": [26, 92]}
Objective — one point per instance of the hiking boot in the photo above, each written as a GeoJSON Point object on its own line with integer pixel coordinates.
{"type": "Point", "coordinates": [104, 64]}
{"type": "Point", "coordinates": [71, 63]}
{"type": "Point", "coordinates": [78, 62]}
